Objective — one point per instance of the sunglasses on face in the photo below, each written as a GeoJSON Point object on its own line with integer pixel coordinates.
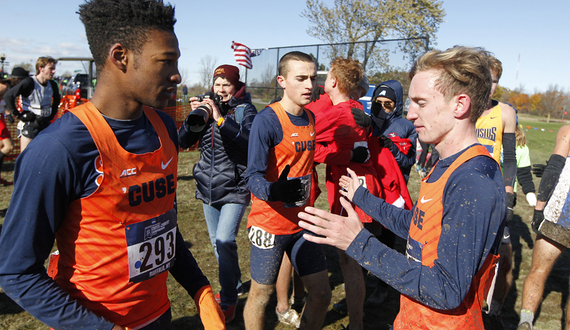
{"type": "Point", "coordinates": [387, 104]}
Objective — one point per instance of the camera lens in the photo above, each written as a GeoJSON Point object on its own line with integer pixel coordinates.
{"type": "Point", "coordinates": [196, 120]}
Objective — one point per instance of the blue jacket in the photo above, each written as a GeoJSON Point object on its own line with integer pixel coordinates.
{"type": "Point", "coordinates": [396, 125]}
{"type": "Point", "coordinates": [221, 169]}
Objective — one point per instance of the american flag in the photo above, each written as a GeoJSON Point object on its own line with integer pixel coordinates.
{"type": "Point", "coordinates": [243, 54]}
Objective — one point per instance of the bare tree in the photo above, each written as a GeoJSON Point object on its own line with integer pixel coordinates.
{"type": "Point", "coordinates": [552, 101]}
{"type": "Point", "coordinates": [268, 76]}
{"type": "Point", "coordinates": [350, 21]}
{"type": "Point", "coordinates": [184, 80]}
{"type": "Point", "coordinates": [207, 70]}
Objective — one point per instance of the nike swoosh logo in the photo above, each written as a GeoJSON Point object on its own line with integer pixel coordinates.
{"type": "Point", "coordinates": [312, 133]}
{"type": "Point", "coordinates": [425, 200]}
{"type": "Point", "coordinates": [163, 166]}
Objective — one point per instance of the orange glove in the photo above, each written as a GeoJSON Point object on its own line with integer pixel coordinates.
{"type": "Point", "coordinates": [210, 312]}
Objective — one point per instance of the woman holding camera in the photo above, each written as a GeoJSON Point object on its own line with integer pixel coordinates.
{"type": "Point", "coordinates": [220, 122]}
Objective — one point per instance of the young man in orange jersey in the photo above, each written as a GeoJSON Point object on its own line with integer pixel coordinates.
{"type": "Point", "coordinates": [453, 230]}
{"type": "Point", "coordinates": [280, 161]}
{"type": "Point", "coordinates": [104, 186]}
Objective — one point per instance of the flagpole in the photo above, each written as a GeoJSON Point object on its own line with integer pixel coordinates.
{"type": "Point", "coordinates": [245, 81]}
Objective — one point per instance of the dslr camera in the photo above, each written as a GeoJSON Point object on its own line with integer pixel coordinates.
{"type": "Point", "coordinates": [198, 118]}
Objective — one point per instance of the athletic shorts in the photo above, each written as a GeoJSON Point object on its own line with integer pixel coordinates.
{"type": "Point", "coordinates": [4, 132]}
{"type": "Point", "coordinates": [267, 253]}
{"type": "Point", "coordinates": [555, 232]}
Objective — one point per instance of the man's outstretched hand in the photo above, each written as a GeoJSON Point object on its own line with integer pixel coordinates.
{"type": "Point", "coordinates": [335, 230]}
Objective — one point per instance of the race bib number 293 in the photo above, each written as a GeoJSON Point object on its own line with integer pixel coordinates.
{"type": "Point", "coordinates": [151, 245]}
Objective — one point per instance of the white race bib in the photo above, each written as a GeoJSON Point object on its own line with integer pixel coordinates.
{"type": "Point", "coordinates": [260, 238]}
{"type": "Point", "coordinates": [151, 245]}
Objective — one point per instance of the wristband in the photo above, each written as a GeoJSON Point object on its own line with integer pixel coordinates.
{"type": "Point", "coordinates": [220, 121]}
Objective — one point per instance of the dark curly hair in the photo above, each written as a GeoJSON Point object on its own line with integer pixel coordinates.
{"type": "Point", "coordinates": [127, 22]}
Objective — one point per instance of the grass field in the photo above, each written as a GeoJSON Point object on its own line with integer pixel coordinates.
{"type": "Point", "coordinates": [193, 228]}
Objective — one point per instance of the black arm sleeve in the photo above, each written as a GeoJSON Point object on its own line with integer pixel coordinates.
{"type": "Point", "coordinates": [24, 88]}
{"type": "Point", "coordinates": [187, 138]}
{"type": "Point", "coordinates": [550, 177]}
{"type": "Point", "coordinates": [524, 177]}
{"type": "Point", "coordinates": [185, 269]}
{"type": "Point", "coordinates": [509, 159]}
{"type": "Point", "coordinates": [56, 99]}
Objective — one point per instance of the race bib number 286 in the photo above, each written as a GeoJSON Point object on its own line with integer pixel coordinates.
{"type": "Point", "coordinates": [151, 245]}
{"type": "Point", "coordinates": [260, 238]}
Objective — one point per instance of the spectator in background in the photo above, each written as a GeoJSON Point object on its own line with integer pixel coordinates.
{"type": "Point", "coordinates": [18, 74]}
{"type": "Point", "coordinates": [220, 172]}
{"type": "Point", "coordinates": [40, 101]}
{"type": "Point", "coordinates": [6, 143]}
{"type": "Point", "coordinates": [398, 135]}
{"type": "Point", "coordinates": [524, 175]}
{"type": "Point", "coordinates": [395, 132]}
{"type": "Point", "coordinates": [184, 94]}
{"type": "Point", "coordinates": [551, 222]}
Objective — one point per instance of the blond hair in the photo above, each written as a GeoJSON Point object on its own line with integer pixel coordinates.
{"type": "Point", "coordinates": [520, 136]}
{"type": "Point", "coordinates": [495, 66]}
{"type": "Point", "coordinates": [462, 70]}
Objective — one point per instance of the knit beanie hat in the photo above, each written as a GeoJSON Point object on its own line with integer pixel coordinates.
{"type": "Point", "coordinates": [385, 91]}
{"type": "Point", "coordinates": [230, 72]}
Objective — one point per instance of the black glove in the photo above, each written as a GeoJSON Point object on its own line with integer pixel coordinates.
{"type": "Point", "coordinates": [43, 121]}
{"type": "Point", "coordinates": [360, 117]}
{"type": "Point", "coordinates": [317, 92]}
{"type": "Point", "coordinates": [538, 169]}
{"type": "Point", "coordinates": [359, 154]}
{"type": "Point", "coordinates": [27, 116]}
{"type": "Point", "coordinates": [287, 191]}
{"type": "Point", "coordinates": [537, 219]}
{"type": "Point", "coordinates": [386, 142]}
{"type": "Point", "coordinates": [511, 201]}
{"type": "Point", "coordinates": [10, 119]}
{"type": "Point", "coordinates": [31, 130]}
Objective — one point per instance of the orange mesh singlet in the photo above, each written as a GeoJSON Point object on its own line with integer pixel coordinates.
{"type": "Point", "coordinates": [425, 235]}
{"type": "Point", "coordinates": [297, 149]}
{"type": "Point", "coordinates": [117, 244]}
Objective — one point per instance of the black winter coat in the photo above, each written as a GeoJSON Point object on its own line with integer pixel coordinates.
{"type": "Point", "coordinates": [220, 171]}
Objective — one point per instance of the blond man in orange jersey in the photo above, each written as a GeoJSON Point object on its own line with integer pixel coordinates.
{"type": "Point", "coordinates": [452, 231]}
